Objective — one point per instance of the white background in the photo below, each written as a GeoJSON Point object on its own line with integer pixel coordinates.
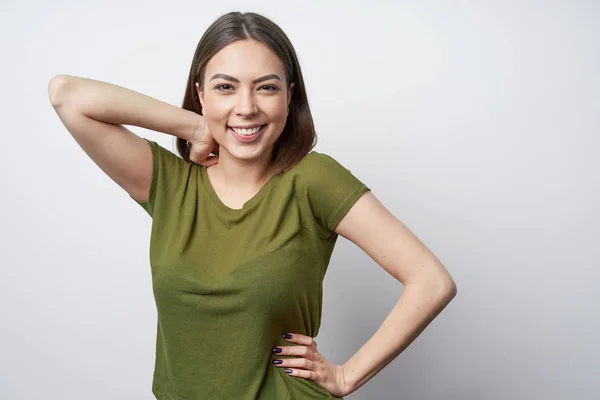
{"type": "Point", "coordinates": [476, 123]}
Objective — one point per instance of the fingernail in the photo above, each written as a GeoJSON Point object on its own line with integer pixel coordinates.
{"type": "Point", "coordinates": [287, 336]}
{"type": "Point", "coordinates": [288, 371]}
{"type": "Point", "coordinates": [276, 350]}
{"type": "Point", "coordinates": [277, 361]}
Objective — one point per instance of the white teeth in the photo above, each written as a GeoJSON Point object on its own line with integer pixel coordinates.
{"type": "Point", "coordinates": [247, 131]}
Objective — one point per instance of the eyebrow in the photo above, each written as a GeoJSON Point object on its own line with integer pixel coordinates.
{"type": "Point", "coordinates": [232, 79]}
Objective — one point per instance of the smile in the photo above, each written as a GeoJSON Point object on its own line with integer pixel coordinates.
{"type": "Point", "coordinates": [247, 135]}
{"type": "Point", "coordinates": [248, 131]}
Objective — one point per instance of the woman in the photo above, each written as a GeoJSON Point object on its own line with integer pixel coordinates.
{"type": "Point", "coordinates": [241, 240]}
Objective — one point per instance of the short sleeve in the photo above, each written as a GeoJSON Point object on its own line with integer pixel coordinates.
{"type": "Point", "coordinates": [169, 172]}
{"type": "Point", "coordinates": [332, 190]}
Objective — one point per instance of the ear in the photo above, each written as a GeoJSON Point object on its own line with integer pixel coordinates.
{"type": "Point", "coordinates": [290, 91]}
{"type": "Point", "coordinates": [200, 94]}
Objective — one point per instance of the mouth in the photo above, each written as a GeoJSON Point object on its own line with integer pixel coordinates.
{"type": "Point", "coordinates": [249, 134]}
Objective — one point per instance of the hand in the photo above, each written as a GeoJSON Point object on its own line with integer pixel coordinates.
{"type": "Point", "coordinates": [312, 365]}
{"type": "Point", "coordinates": [202, 144]}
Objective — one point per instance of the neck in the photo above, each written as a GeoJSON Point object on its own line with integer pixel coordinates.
{"type": "Point", "coordinates": [243, 175]}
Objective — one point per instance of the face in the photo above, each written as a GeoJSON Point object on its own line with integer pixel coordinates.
{"type": "Point", "coordinates": [244, 91]}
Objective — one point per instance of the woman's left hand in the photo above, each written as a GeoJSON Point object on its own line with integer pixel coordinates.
{"type": "Point", "coordinates": [312, 365]}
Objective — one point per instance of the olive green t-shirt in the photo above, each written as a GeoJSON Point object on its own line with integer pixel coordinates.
{"type": "Point", "coordinates": [228, 283]}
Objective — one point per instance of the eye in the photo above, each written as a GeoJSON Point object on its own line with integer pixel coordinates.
{"type": "Point", "coordinates": [223, 87]}
{"type": "Point", "coordinates": [270, 88]}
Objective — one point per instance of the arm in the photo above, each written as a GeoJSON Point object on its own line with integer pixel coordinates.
{"type": "Point", "coordinates": [113, 104]}
{"type": "Point", "coordinates": [94, 112]}
{"type": "Point", "coordinates": [428, 287]}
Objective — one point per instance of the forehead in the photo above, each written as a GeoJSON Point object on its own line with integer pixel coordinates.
{"type": "Point", "coordinates": [245, 60]}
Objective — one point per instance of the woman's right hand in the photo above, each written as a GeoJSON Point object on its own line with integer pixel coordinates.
{"type": "Point", "coordinates": [202, 144]}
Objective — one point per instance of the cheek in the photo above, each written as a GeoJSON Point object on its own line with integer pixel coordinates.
{"type": "Point", "coordinates": [216, 124]}
{"type": "Point", "coordinates": [277, 111]}
{"type": "Point", "coordinates": [215, 112]}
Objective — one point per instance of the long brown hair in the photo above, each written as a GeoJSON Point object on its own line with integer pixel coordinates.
{"type": "Point", "coordinates": [298, 137]}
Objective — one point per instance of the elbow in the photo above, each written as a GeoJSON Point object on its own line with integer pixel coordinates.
{"type": "Point", "coordinates": [56, 88]}
{"type": "Point", "coordinates": [452, 290]}
{"type": "Point", "coordinates": [448, 290]}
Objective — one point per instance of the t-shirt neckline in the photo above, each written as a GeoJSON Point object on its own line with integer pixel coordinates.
{"type": "Point", "coordinates": [216, 200]}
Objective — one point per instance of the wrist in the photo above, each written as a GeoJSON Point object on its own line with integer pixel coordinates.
{"type": "Point", "coordinates": [349, 383]}
{"type": "Point", "coordinates": [192, 128]}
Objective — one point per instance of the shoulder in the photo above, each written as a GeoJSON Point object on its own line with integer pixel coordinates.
{"type": "Point", "coordinates": [319, 157]}
{"type": "Point", "coordinates": [319, 168]}
{"type": "Point", "coordinates": [168, 155]}
{"type": "Point", "coordinates": [319, 163]}
{"type": "Point", "coordinates": [329, 188]}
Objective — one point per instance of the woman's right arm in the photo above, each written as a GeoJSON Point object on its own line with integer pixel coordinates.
{"type": "Point", "coordinates": [94, 112]}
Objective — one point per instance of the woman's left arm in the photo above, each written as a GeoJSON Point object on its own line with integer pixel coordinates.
{"type": "Point", "coordinates": [428, 287]}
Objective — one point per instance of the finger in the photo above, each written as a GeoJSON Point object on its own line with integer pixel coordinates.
{"type": "Point", "coordinates": [211, 161]}
{"type": "Point", "coordinates": [298, 363]}
{"type": "Point", "coordinates": [301, 351]}
{"type": "Point", "coordinates": [301, 339]}
{"type": "Point", "coordinates": [302, 373]}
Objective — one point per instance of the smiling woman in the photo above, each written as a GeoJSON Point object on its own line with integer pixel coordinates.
{"type": "Point", "coordinates": [245, 90]}
{"type": "Point", "coordinates": [240, 243]}
{"type": "Point", "coordinates": [264, 197]}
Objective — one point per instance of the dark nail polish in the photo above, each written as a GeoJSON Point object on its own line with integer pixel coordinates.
{"type": "Point", "coordinates": [288, 371]}
{"type": "Point", "coordinates": [276, 350]}
{"type": "Point", "coordinates": [277, 361]}
{"type": "Point", "coordinates": [287, 336]}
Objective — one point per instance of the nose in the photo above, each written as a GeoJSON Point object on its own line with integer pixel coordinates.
{"type": "Point", "coordinates": [246, 104]}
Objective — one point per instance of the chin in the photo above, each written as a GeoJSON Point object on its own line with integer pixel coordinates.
{"type": "Point", "coordinates": [241, 151]}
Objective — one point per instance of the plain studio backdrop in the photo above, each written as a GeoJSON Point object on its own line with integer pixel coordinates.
{"type": "Point", "coordinates": [476, 123]}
